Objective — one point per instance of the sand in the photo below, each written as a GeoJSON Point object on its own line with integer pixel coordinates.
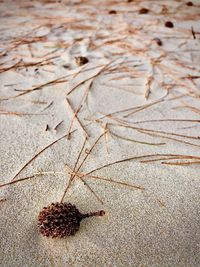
{"type": "Point", "coordinates": [154, 227]}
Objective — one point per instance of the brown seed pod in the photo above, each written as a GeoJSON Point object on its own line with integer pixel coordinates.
{"type": "Point", "coordinates": [169, 24]}
{"type": "Point", "coordinates": [62, 219]}
{"type": "Point", "coordinates": [158, 41]}
{"type": "Point", "coordinates": [143, 11]}
{"type": "Point", "coordinates": [189, 3]}
{"type": "Point", "coordinates": [81, 60]}
{"type": "Point", "coordinates": [112, 12]}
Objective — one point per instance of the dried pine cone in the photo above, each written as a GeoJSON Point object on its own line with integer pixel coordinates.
{"type": "Point", "coordinates": [62, 219]}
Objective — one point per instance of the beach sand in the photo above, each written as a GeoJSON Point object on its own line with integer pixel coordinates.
{"type": "Point", "coordinates": [148, 95]}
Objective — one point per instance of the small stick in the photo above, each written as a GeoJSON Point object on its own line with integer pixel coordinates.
{"type": "Point", "coordinates": [153, 160]}
{"type": "Point", "coordinates": [106, 131]}
{"type": "Point", "coordinates": [160, 202]}
{"type": "Point", "coordinates": [29, 177]}
{"type": "Point", "coordinates": [72, 176]}
{"type": "Point", "coordinates": [49, 172]}
{"type": "Point", "coordinates": [148, 87]}
{"type": "Point", "coordinates": [164, 120]}
{"type": "Point", "coordinates": [116, 182]}
{"type": "Point", "coordinates": [138, 108]}
{"type": "Point", "coordinates": [127, 125]}
{"type": "Point", "coordinates": [18, 113]}
{"type": "Point", "coordinates": [144, 107]}
{"type": "Point", "coordinates": [16, 181]}
{"type": "Point", "coordinates": [181, 163]}
{"type": "Point", "coordinates": [90, 78]}
{"type": "Point", "coordinates": [75, 116]}
{"type": "Point", "coordinates": [81, 164]}
{"type": "Point", "coordinates": [79, 155]}
{"type": "Point", "coordinates": [90, 150]}
{"type": "Point", "coordinates": [48, 106]}
{"type": "Point", "coordinates": [89, 187]}
{"type": "Point", "coordinates": [196, 110]}
{"type": "Point", "coordinates": [39, 87]}
{"type": "Point", "coordinates": [77, 85]}
{"type": "Point", "coordinates": [40, 152]}
{"type": "Point", "coordinates": [47, 128]}
{"type": "Point", "coordinates": [171, 156]}
{"type": "Point", "coordinates": [135, 158]}
{"type": "Point", "coordinates": [79, 106]}
{"type": "Point", "coordinates": [91, 190]}
{"type": "Point", "coordinates": [80, 71]}
{"type": "Point", "coordinates": [81, 175]}
{"type": "Point", "coordinates": [11, 67]}
{"type": "Point", "coordinates": [193, 33]}
{"type": "Point", "coordinates": [170, 138]}
{"type": "Point", "coordinates": [56, 127]}
{"type": "Point", "coordinates": [136, 141]}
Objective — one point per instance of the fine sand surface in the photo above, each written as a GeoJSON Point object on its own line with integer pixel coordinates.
{"type": "Point", "coordinates": [140, 94]}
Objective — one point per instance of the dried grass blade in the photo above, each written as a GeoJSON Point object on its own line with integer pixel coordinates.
{"type": "Point", "coordinates": [17, 181]}
{"type": "Point", "coordinates": [116, 182]}
{"type": "Point", "coordinates": [75, 113]}
{"type": "Point", "coordinates": [136, 141]}
{"type": "Point", "coordinates": [170, 138]}
{"type": "Point", "coordinates": [181, 163]}
{"type": "Point", "coordinates": [91, 190]}
{"type": "Point", "coordinates": [73, 171]}
{"type": "Point", "coordinates": [136, 158]}
{"type": "Point", "coordinates": [40, 152]}
{"type": "Point", "coordinates": [90, 150]}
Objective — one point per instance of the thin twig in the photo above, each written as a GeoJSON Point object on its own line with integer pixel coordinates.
{"type": "Point", "coordinates": [30, 177]}
{"type": "Point", "coordinates": [75, 116]}
{"type": "Point", "coordinates": [136, 141]}
{"type": "Point", "coordinates": [16, 181]}
{"type": "Point", "coordinates": [89, 151]}
{"type": "Point", "coordinates": [19, 113]}
{"type": "Point", "coordinates": [114, 181]}
{"type": "Point", "coordinates": [48, 106]}
{"type": "Point", "coordinates": [136, 158]}
{"type": "Point", "coordinates": [106, 131]}
{"type": "Point", "coordinates": [127, 125]}
{"type": "Point", "coordinates": [57, 125]}
{"type": "Point", "coordinates": [40, 152]}
{"type": "Point", "coordinates": [170, 138]}
{"type": "Point", "coordinates": [148, 87]}
{"type": "Point", "coordinates": [71, 176]}
{"type": "Point", "coordinates": [91, 190]}
{"type": "Point", "coordinates": [164, 120]}
{"type": "Point", "coordinates": [181, 163]}
{"type": "Point", "coordinates": [90, 78]}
